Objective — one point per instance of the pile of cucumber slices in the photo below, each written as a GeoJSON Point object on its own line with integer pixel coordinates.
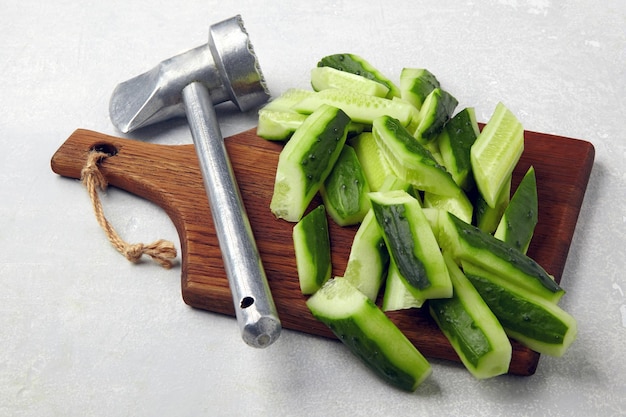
{"type": "Point", "coordinates": [438, 225]}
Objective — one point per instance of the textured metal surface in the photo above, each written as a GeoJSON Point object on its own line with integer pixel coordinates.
{"type": "Point", "coordinates": [226, 68]}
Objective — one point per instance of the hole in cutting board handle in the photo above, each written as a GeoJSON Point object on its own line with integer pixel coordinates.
{"type": "Point", "coordinates": [246, 302]}
{"type": "Point", "coordinates": [106, 148]}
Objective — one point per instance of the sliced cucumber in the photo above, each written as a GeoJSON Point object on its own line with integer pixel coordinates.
{"type": "Point", "coordinates": [369, 334]}
{"type": "Point", "coordinates": [469, 244]}
{"type": "Point", "coordinates": [432, 215]}
{"type": "Point", "coordinates": [372, 160]}
{"type": "Point", "coordinates": [433, 148]}
{"type": "Point", "coordinates": [397, 295]}
{"type": "Point", "coordinates": [411, 243]}
{"type": "Point", "coordinates": [369, 257]}
{"type": "Point", "coordinates": [362, 108]}
{"type": "Point", "coordinates": [536, 323]}
{"type": "Point", "coordinates": [520, 217]}
{"type": "Point", "coordinates": [277, 121]}
{"type": "Point", "coordinates": [471, 327]}
{"type": "Point", "coordinates": [487, 218]}
{"type": "Point", "coordinates": [345, 190]}
{"type": "Point", "coordinates": [357, 65]}
{"type": "Point", "coordinates": [312, 248]}
{"type": "Point", "coordinates": [278, 124]}
{"type": "Point", "coordinates": [410, 160]}
{"type": "Point", "coordinates": [323, 78]}
{"type": "Point", "coordinates": [416, 84]}
{"type": "Point", "coordinates": [306, 160]}
{"type": "Point", "coordinates": [496, 152]}
{"type": "Point", "coordinates": [436, 110]}
{"type": "Point", "coordinates": [287, 99]}
{"type": "Point", "coordinates": [455, 143]}
{"type": "Point", "coordinates": [458, 205]}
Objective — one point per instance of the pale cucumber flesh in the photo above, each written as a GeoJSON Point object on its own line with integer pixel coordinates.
{"type": "Point", "coordinates": [361, 108]}
{"type": "Point", "coordinates": [278, 124]}
{"type": "Point", "coordinates": [397, 295]}
{"type": "Point", "coordinates": [323, 78]}
{"type": "Point", "coordinates": [355, 64]}
{"type": "Point", "coordinates": [373, 162]}
{"type": "Point", "coordinates": [368, 258]}
{"type": "Point", "coordinates": [496, 152]}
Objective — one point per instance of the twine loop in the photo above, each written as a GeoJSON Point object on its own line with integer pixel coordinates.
{"type": "Point", "coordinates": [161, 251]}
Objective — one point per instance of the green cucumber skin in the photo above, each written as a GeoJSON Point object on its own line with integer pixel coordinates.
{"type": "Point", "coordinates": [322, 155]}
{"type": "Point", "coordinates": [436, 116]}
{"type": "Point", "coordinates": [487, 218]}
{"type": "Point", "coordinates": [368, 350]}
{"type": "Point", "coordinates": [345, 189]}
{"type": "Point", "coordinates": [411, 243]}
{"type": "Point", "coordinates": [401, 243]}
{"type": "Point", "coordinates": [397, 295]}
{"type": "Point", "coordinates": [312, 248]}
{"type": "Point", "coordinates": [306, 160]}
{"type": "Point", "coordinates": [416, 85]}
{"type": "Point", "coordinates": [520, 314]}
{"type": "Point", "coordinates": [521, 215]}
{"type": "Point", "coordinates": [403, 136]}
{"type": "Point", "coordinates": [356, 65]}
{"type": "Point", "coordinates": [492, 253]}
{"type": "Point", "coordinates": [471, 327]}
{"type": "Point", "coordinates": [453, 320]}
{"type": "Point", "coordinates": [455, 143]}
{"type": "Point", "coordinates": [463, 131]}
{"type": "Point", "coordinates": [387, 129]}
{"type": "Point", "coordinates": [369, 334]}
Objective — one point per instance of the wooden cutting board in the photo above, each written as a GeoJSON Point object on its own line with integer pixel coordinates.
{"type": "Point", "coordinates": [169, 176]}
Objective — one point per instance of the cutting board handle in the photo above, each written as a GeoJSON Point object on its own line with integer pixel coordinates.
{"type": "Point", "coordinates": [166, 175]}
{"type": "Point", "coordinates": [147, 170]}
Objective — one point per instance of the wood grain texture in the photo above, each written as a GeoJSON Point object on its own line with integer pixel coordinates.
{"type": "Point", "coordinates": [170, 177]}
